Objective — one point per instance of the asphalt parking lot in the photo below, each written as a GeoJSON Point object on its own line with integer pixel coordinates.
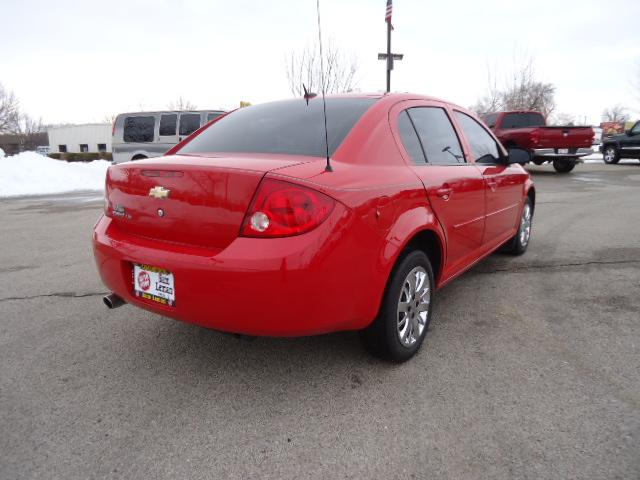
{"type": "Point", "coordinates": [531, 368]}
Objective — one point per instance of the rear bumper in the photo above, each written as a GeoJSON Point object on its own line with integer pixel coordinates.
{"type": "Point", "coordinates": [310, 284]}
{"type": "Point", "coordinates": [551, 153]}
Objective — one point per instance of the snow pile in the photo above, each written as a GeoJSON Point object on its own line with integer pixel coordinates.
{"type": "Point", "coordinates": [1, 153]}
{"type": "Point", "coordinates": [29, 173]}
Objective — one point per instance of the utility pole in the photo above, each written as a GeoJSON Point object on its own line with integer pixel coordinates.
{"type": "Point", "coordinates": [389, 57]}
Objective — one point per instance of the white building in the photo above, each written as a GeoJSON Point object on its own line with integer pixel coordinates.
{"type": "Point", "coordinates": [90, 137]}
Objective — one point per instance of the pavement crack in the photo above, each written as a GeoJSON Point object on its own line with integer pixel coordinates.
{"type": "Point", "coordinates": [549, 266]}
{"type": "Point", "coordinates": [56, 294]}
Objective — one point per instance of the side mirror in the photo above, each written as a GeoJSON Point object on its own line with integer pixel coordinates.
{"type": "Point", "coordinates": [629, 133]}
{"type": "Point", "coordinates": [518, 155]}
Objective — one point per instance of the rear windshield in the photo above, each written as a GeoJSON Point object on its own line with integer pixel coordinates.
{"type": "Point", "coordinates": [287, 127]}
{"type": "Point", "coordinates": [522, 120]}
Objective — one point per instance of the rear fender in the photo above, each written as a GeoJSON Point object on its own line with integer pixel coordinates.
{"type": "Point", "coordinates": [407, 226]}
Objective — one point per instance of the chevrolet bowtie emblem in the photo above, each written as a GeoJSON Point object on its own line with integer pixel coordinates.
{"type": "Point", "coordinates": [159, 192]}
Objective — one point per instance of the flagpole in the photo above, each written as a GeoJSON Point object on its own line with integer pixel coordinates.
{"type": "Point", "coordinates": [389, 56]}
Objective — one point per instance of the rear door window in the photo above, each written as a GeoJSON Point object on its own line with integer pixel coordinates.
{"type": "Point", "coordinates": [168, 124]}
{"type": "Point", "coordinates": [211, 116]}
{"type": "Point", "coordinates": [189, 123]}
{"type": "Point", "coordinates": [483, 146]}
{"type": "Point", "coordinates": [139, 129]}
{"type": "Point", "coordinates": [437, 135]}
{"type": "Point", "coordinates": [410, 139]}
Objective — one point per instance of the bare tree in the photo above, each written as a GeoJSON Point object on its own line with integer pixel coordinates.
{"type": "Point", "coordinates": [9, 111]}
{"type": "Point", "coordinates": [31, 132]}
{"type": "Point", "coordinates": [492, 100]}
{"type": "Point", "coordinates": [563, 119]}
{"type": "Point", "coordinates": [304, 68]}
{"type": "Point", "coordinates": [181, 104]}
{"type": "Point", "coordinates": [520, 91]}
{"type": "Point", "coordinates": [109, 118]}
{"type": "Point", "coordinates": [617, 113]}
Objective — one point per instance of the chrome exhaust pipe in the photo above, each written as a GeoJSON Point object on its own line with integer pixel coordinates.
{"type": "Point", "coordinates": [113, 301]}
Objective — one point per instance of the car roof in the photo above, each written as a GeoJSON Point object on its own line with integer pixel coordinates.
{"type": "Point", "coordinates": [395, 97]}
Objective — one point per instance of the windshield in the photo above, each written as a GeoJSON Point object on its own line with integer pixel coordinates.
{"type": "Point", "coordinates": [285, 127]}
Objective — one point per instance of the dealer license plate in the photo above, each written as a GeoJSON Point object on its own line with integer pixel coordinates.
{"type": "Point", "coordinates": [155, 284]}
{"type": "Point", "coordinates": [563, 150]}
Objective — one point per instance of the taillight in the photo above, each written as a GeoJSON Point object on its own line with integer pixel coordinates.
{"type": "Point", "coordinates": [282, 209]}
{"type": "Point", "coordinates": [107, 204]}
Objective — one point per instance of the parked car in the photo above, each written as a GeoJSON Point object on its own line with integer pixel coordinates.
{"type": "Point", "coordinates": [242, 227]}
{"type": "Point", "coordinates": [624, 145]}
{"type": "Point", "coordinates": [563, 146]}
{"type": "Point", "coordinates": [141, 135]}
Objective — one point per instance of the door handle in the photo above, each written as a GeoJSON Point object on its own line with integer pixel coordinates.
{"type": "Point", "coordinates": [444, 192]}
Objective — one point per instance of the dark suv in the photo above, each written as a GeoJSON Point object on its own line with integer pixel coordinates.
{"type": "Point", "coordinates": [623, 145]}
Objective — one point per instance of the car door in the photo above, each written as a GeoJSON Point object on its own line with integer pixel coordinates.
{"type": "Point", "coordinates": [630, 143]}
{"type": "Point", "coordinates": [504, 183]}
{"type": "Point", "coordinates": [454, 188]}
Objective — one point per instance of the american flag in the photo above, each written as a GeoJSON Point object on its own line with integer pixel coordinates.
{"type": "Point", "coordinates": [387, 15]}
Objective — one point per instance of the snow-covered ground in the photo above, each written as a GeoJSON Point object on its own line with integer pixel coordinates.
{"type": "Point", "coordinates": [29, 173]}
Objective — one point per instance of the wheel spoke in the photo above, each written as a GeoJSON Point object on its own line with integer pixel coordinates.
{"type": "Point", "coordinates": [424, 293]}
{"type": "Point", "coordinates": [420, 279]}
{"type": "Point", "coordinates": [411, 280]}
{"type": "Point", "coordinates": [406, 291]}
{"type": "Point", "coordinates": [403, 307]}
{"type": "Point", "coordinates": [406, 338]}
{"type": "Point", "coordinates": [403, 328]}
{"type": "Point", "coordinates": [415, 328]}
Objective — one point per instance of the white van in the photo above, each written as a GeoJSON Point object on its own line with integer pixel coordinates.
{"type": "Point", "coordinates": [150, 134]}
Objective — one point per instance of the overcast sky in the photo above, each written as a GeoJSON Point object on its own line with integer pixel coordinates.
{"type": "Point", "coordinates": [79, 61]}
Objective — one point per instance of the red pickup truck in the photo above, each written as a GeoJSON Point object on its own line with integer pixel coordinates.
{"type": "Point", "coordinates": [561, 145]}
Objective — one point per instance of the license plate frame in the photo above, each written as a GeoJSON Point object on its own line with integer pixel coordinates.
{"type": "Point", "coordinates": [563, 151]}
{"type": "Point", "coordinates": [154, 284]}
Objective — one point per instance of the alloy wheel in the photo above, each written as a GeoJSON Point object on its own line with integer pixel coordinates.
{"type": "Point", "coordinates": [413, 306]}
{"type": "Point", "coordinates": [525, 225]}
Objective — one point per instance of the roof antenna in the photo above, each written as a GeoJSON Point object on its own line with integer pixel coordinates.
{"type": "Point", "coordinates": [307, 94]}
{"type": "Point", "coordinates": [324, 103]}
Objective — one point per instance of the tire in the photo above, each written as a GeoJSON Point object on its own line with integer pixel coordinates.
{"type": "Point", "coordinates": [610, 155]}
{"type": "Point", "coordinates": [520, 241]}
{"type": "Point", "coordinates": [139, 157]}
{"type": "Point", "coordinates": [397, 335]}
{"type": "Point", "coordinates": [564, 166]}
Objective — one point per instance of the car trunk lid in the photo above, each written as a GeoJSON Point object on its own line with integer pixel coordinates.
{"type": "Point", "coordinates": [197, 200]}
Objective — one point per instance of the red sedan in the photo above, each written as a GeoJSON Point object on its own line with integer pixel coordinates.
{"type": "Point", "coordinates": [242, 227]}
